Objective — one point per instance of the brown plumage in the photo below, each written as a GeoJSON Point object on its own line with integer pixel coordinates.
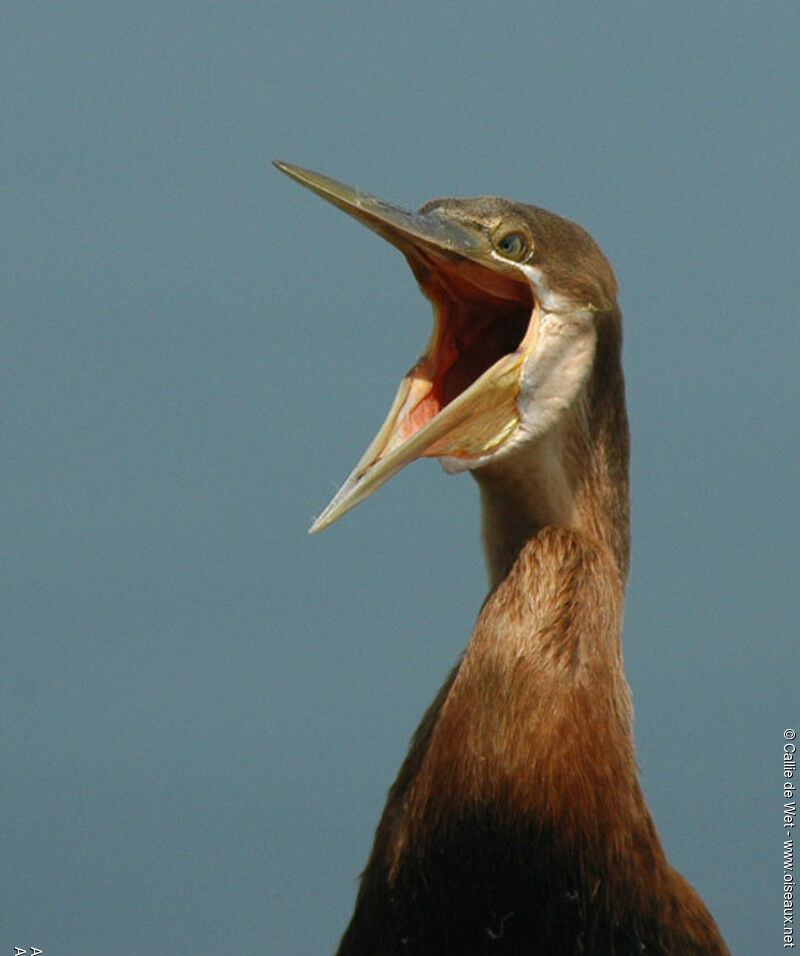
{"type": "Point", "coordinates": [517, 824]}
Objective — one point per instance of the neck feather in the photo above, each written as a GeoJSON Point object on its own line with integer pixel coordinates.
{"type": "Point", "coordinates": [575, 476]}
{"type": "Point", "coordinates": [537, 720]}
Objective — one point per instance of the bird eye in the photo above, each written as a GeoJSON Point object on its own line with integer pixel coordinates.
{"type": "Point", "coordinates": [513, 245]}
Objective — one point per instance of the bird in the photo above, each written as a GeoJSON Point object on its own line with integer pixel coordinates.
{"type": "Point", "coordinates": [517, 823]}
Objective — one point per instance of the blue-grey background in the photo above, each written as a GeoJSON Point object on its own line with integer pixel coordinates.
{"type": "Point", "coordinates": [202, 706]}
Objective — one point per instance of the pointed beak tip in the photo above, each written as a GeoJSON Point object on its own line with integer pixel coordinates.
{"type": "Point", "coordinates": [300, 175]}
{"type": "Point", "coordinates": [324, 520]}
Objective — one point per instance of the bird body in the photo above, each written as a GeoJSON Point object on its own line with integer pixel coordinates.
{"type": "Point", "coordinates": [517, 824]}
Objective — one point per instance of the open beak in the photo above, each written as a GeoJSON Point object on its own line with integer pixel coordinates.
{"type": "Point", "coordinates": [459, 400]}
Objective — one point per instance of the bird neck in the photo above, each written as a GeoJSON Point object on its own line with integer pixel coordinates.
{"type": "Point", "coordinates": [544, 672]}
{"type": "Point", "coordinates": [575, 476]}
{"type": "Point", "coordinates": [556, 536]}
{"type": "Point", "coordinates": [521, 496]}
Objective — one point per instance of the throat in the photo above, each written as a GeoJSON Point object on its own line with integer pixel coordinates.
{"type": "Point", "coordinates": [520, 497]}
{"type": "Point", "coordinates": [574, 477]}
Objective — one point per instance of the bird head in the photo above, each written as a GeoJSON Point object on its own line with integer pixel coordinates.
{"type": "Point", "coordinates": [516, 294]}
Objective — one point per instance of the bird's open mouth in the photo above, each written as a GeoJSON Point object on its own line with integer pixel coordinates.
{"type": "Point", "coordinates": [479, 317]}
{"type": "Point", "coordinates": [459, 401]}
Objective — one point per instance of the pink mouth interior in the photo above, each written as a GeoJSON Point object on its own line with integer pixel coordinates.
{"type": "Point", "coordinates": [482, 316]}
